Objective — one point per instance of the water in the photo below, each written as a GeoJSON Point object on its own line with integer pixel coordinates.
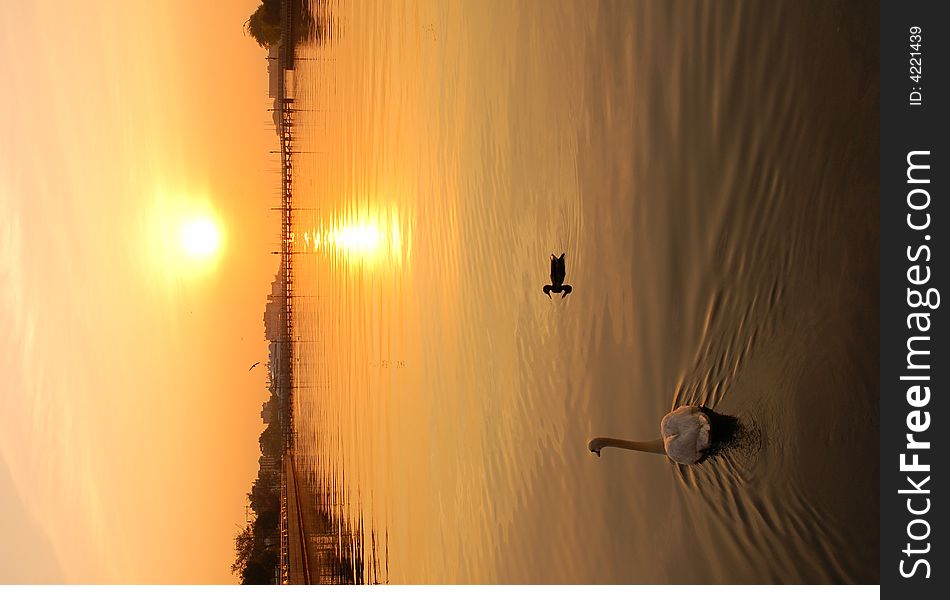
{"type": "Point", "coordinates": [710, 170]}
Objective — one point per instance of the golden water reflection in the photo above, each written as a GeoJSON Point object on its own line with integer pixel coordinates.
{"type": "Point", "coordinates": [371, 236]}
{"type": "Point", "coordinates": [442, 403]}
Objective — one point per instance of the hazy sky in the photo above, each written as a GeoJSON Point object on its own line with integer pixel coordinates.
{"type": "Point", "coordinates": [128, 419]}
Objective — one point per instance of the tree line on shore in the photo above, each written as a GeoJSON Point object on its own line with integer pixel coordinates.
{"type": "Point", "coordinates": [257, 545]}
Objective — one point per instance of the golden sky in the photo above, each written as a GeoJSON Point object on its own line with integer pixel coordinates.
{"type": "Point", "coordinates": [128, 418]}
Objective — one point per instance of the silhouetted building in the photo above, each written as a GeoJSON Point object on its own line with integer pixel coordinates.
{"type": "Point", "coordinates": [269, 412]}
{"type": "Point", "coordinates": [274, 309]}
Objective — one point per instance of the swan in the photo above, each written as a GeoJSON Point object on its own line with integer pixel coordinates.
{"type": "Point", "coordinates": [558, 272]}
{"type": "Point", "coordinates": [686, 438]}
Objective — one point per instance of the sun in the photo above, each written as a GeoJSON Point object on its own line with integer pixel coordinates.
{"type": "Point", "coordinates": [200, 238]}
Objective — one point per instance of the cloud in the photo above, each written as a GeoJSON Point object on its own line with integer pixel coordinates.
{"type": "Point", "coordinates": [50, 489]}
{"type": "Point", "coordinates": [26, 554]}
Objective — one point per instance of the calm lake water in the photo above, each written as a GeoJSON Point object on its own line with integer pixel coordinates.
{"type": "Point", "coordinates": [710, 171]}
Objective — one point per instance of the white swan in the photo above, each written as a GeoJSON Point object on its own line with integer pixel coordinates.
{"type": "Point", "coordinates": [686, 437]}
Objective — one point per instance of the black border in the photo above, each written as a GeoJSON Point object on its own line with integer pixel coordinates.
{"type": "Point", "coordinates": [906, 128]}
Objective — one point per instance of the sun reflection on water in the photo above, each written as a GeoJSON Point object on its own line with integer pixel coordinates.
{"type": "Point", "coordinates": [371, 237]}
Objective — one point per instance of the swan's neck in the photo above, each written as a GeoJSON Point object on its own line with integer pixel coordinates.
{"type": "Point", "coordinates": [654, 446]}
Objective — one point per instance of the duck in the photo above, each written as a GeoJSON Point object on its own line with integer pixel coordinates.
{"type": "Point", "coordinates": [558, 272]}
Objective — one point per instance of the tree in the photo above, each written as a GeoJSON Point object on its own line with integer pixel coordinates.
{"type": "Point", "coordinates": [256, 574]}
{"type": "Point", "coordinates": [244, 550]}
{"type": "Point", "coordinates": [270, 440]}
{"type": "Point", "coordinates": [254, 562]}
{"type": "Point", "coordinates": [264, 25]}
{"type": "Point", "coordinates": [267, 522]}
{"type": "Point", "coordinates": [262, 496]}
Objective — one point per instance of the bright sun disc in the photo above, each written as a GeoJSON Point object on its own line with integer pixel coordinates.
{"type": "Point", "coordinates": [200, 237]}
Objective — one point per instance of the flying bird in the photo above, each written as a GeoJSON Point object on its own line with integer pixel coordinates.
{"type": "Point", "coordinates": [254, 365]}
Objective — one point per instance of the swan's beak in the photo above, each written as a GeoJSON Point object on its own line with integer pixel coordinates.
{"type": "Point", "coordinates": [593, 448]}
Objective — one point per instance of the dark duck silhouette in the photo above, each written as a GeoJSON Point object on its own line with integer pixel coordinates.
{"type": "Point", "coordinates": [558, 272]}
